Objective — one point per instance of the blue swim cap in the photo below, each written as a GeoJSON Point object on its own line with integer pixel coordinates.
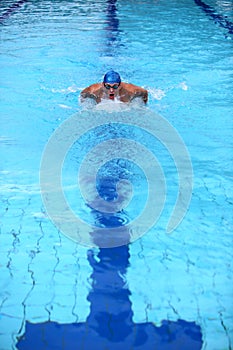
{"type": "Point", "coordinates": [112, 77]}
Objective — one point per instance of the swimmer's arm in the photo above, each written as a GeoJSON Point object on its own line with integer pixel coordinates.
{"type": "Point", "coordinates": [140, 92]}
{"type": "Point", "coordinates": [90, 92]}
{"type": "Point", "coordinates": [135, 91]}
{"type": "Point", "coordinates": [87, 94]}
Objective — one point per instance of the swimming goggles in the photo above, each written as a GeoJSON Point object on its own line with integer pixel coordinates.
{"type": "Point", "coordinates": [109, 86]}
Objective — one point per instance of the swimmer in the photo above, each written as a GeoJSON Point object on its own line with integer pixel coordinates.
{"type": "Point", "coordinates": [113, 88]}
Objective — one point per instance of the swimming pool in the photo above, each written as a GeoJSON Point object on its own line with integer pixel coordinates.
{"type": "Point", "coordinates": [51, 287]}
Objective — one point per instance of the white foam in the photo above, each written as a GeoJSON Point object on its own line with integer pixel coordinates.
{"type": "Point", "coordinates": [112, 105]}
{"type": "Point", "coordinates": [158, 94]}
{"type": "Point", "coordinates": [64, 106]}
{"type": "Point", "coordinates": [183, 86]}
{"type": "Point", "coordinates": [72, 88]}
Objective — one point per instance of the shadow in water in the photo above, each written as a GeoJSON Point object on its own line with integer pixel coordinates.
{"type": "Point", "coordinates": [110, 322]}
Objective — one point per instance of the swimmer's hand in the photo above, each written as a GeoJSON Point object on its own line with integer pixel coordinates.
{"type": "Point", "coordinates": [85, 95]}
{"type": "Point", "coordinates": [138, 97]}
{"type": "Point", "coordinates": [140, 94]}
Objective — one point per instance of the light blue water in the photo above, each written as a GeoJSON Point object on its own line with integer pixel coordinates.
{"type": "Point", "coordinates": [50, 52]}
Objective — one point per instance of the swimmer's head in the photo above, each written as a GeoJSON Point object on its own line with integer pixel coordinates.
{"type": "Point", "coordinates": [112, 77]}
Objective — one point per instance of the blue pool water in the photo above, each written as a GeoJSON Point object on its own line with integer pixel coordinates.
{"type": "Point", "coordinates": [163, 291]}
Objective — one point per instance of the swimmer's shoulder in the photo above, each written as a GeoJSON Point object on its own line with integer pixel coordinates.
{"type": "Point", "coordinates": [131, 87]}
{"type": "Point", "coordinates": [93, 91]}
{"type": "Point", "coordinates": [132, 91]}
{"type": "Point", "coordinates": [93, 88]}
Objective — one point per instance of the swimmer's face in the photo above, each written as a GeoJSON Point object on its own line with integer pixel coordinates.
{"type": "Point", "coordinates": [111, 89]}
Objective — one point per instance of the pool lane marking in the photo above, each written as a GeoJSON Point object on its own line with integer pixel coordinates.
{"type": "Point", "coordinates": [6, 14]}
{"type": "Point", "coordinates": [219, 19]}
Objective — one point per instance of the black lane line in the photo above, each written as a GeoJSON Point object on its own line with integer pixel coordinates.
{"type": "Point", "coordinates": [113, 32]}
{"type": "Point", "coordinates": [221, 20]}
{"type": "Point", "coordinates": [110, 324]}
{"type": "Point", "coordinates": [13, 8]}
